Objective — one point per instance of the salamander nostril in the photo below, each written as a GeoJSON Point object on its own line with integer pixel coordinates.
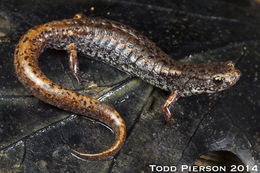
{"type": "Point", "coordinates": [231, 64]}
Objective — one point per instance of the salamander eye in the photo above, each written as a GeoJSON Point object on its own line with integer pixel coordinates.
{"type": "Point", "coordinates": [218, 80]}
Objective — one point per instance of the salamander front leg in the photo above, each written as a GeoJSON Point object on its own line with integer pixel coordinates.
{"type": "Point", "coordinates": [166, 109]}
{"type": "Point", "coordinates": [74, 63]}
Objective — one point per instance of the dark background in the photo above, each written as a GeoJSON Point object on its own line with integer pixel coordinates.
{"type": "Point", "coordinates": [36, 137]}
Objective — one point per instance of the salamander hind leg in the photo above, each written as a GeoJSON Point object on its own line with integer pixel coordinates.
{"type": "Point", "coordinates": [74, 63]}
{"type": "Point", "coordinates": [169, 118]}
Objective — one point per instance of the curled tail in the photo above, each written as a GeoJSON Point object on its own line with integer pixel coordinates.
{"type": "Point", "coordinates": [26, 57]}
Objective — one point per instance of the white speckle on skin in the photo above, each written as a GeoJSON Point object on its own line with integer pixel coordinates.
{"type": "Point", "coordinates": [70, 32]}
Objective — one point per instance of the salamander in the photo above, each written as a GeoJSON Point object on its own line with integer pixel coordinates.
{"type": "Point", "coordinates": [123, 48]}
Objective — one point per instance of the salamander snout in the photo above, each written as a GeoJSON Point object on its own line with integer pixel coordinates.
{"type": "Point", "coordinates": [226, 76]}
{"type": "Point", "coordinates": [233, 74]}
{"type": "Point", "coordinates": [233, 77]}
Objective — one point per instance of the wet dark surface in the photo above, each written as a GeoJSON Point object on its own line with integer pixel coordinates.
{"type": "Point", "coordinates": [36, 137]}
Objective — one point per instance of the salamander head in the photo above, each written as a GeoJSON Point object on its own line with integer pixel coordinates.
{"type": "Point", "coordinates": [211, 77]}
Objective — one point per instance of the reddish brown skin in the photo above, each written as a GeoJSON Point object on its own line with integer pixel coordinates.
{"type": "Point", "coordinates": [26, 65]}
{"type": "Point", "coordinates": [123, 48]}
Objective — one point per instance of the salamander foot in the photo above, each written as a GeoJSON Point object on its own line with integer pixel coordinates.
{"type": "Point", "coordinates": [169, 118]}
